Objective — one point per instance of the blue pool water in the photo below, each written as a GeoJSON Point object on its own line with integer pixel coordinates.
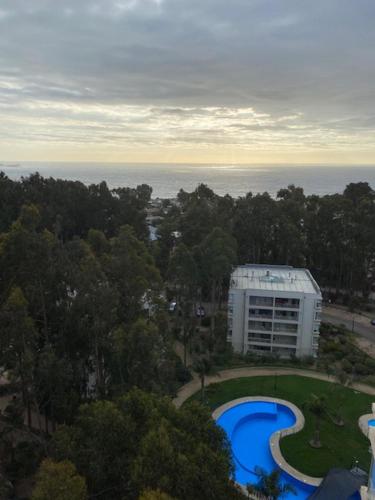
{"type": "Point", "coordinates": [249, 427]}
{"type": "Point", "coordinates": [371, 422]}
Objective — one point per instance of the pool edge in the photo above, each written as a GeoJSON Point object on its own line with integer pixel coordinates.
{"type": "Point", "coordinates": [274, 441]}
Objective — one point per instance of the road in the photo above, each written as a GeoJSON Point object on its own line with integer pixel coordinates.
{"type": "Point", "coordinates": [358, 323]}
{"type": "Point", "coordinates": [352, 321]}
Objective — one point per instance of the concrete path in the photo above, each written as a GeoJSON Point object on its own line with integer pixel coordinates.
{"type": "Point", "coordinates": [194, 385]}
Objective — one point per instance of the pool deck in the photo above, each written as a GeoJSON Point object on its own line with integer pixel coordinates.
{"type": "Point", "coordinates": [276, 436]}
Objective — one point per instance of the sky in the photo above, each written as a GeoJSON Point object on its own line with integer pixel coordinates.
{"type": "Point", "coordinates": [194, 81]}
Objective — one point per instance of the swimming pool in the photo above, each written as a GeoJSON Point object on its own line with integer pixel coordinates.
{"type": "Point", "coordinates": [249, 426]}
{"type": "Point", "coordinates": [371, 422]}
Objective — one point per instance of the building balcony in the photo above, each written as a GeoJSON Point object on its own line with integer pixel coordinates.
{"type": "Point", "coordinates": [284, 340]}
{"type": "Point", "coordinates": [287, 303]}
{"type": "Point", "coordinates": [261, 301]}
{"type": "Point", "coordinates": [285, 328]}
{"type": "Point", "coordinates": [261, 313]}
{"type": "Point", "coordinates": [286, 315]}
{"type": "Point", "coordinates": [255, 341]}
{"type": "Point", "coordinates": [261, 326]}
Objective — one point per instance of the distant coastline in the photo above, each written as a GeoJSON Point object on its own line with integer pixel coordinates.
{"type": "Point", "coordinates": [234, 179]}
{"type": "Point", "coordinates": [9, 165]}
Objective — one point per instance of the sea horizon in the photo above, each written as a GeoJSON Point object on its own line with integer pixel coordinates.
{"type": "Point", "coordinates": [235, 179]}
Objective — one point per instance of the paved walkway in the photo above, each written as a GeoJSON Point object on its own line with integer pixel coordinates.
{"type": "Point", "coordinates": [194, 385]}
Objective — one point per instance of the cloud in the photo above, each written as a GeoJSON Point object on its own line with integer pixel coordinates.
{"type": "Point", "coordinates": [251, 73]}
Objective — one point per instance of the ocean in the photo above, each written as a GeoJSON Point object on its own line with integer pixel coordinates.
{"type": "Point", "coordinates": [236, 180]}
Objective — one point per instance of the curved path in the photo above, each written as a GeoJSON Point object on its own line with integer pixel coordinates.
{"type": "Point", "coordinates": [194, 385]}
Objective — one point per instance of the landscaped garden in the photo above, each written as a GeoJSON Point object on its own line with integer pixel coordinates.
{"type": "Point", "coordinates": [341, 445]}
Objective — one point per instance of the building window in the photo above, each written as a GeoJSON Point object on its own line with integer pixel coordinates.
{"type": "Point", "coordinates": [230, 309]}
{"type": "Point", "coordinates": [286, 302]}
{"type": "Point", "coordinates": [229, 333]}
{"type": "Point", "coordinates": [259, 337]}
{"type": "Point", "coordinates": [230, 322]}
{"type": "Point", "coordinates": [316, 327]}
{"type": "Point", "coordinates": [284, 340]}
{"type": "Point", "coordinates": [286, 315]}
{"type": "Point", "coordinates": [259, 348]}
{"type": "Point", "coordinates": [318, 316]}
{"type": "Point", "coordinates": [261, 301]}
{"type": "Point", "coordinates": [318, 304]}
{"type": "Point", "coordinates": [230, 298]}
{"type": "Point", "coordinates": [285, 327]}
{"type": "Point", "coordinates": [265, 326]}
{"type": "Point", "coordinates": [261, 313]}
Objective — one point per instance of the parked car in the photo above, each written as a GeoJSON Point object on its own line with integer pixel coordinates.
{"type": "Point", "coordinates": [200, 312]}
{"type": "Point", "coordinates": [373, 322]}
{"type": "Point", "coordinates": [172, 306]}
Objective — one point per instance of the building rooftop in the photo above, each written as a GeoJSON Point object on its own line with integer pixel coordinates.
{"type": "Point", "coordinates": [273, 278]}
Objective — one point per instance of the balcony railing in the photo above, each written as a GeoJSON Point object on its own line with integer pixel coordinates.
{"type": "Point", "coordinates": [260, 340]}
{"type": "Point", "coordinates": [261, 301]}
{"type": "Point", "coordinates": [285, 328]}
{"type": "Point", "coordinates": [261, 313]}
{"type": "Point", "coordinates": [287, 303]}
{"type": "Point", "coordinates": [286, 315]}
{"type": "Point", "coordinates": [285, 341]}
{"type": "Point", "coordinates": [261, 326]}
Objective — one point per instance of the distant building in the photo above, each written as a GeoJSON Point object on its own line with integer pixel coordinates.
{"type": "Point", "coordinates": [274, 310]}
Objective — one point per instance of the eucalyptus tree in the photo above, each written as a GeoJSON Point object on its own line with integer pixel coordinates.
{"type": "Point", "coordinates": [254, 228]}
{"type": "Point", "coordinates": [183, 277]}
{"type": "Point", "coordinates": [142, 358]}
{"type": "Point", "coordinates": [131, 271]}
{"type": "Point", "coordinates": [18, 345]}
{"type": "Point", "coordinates": [141, 442]}
{"type": "Point", "coordinates": [60, 481]}
{"type": "Point", "coordinates": [217, 255]}
{"type": "Point", "coordinates": [32, 270]}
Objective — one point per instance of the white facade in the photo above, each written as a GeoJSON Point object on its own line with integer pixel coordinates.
{"type": "Point", "coordinates": [274, 310]}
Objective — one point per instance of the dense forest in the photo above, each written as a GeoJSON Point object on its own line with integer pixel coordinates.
{"type": "Point", "coordinates": [87, 344]}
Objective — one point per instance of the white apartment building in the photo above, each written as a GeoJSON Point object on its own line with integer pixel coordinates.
{"type": "Point", "coordinates": [274, 310]}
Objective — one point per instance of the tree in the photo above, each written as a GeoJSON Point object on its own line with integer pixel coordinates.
{"type": "Point", "coordinates": [131, 270]}
{"type": "Point", "coordinates": [142, 442]}
{"type": "Point", "coordinates": [317, 405]}
{"type": "Point", "coordinates": [154, 495]}
{"type": "Point", "coordinates": [100, 444]}
{"type": "Point", "coordinates": [203, 367]}
{"type": "Point", "coordinates": [217, 255]}
{"type": "Point", "coordinates": [18, 343]}
{"type": "Point", "coordinates": [270, 485]}
{"type": "Point", "coordinates": [254, 227]}
{"type": "Point", "coordinates": [33, 270]}
{"type": "Point", "coordinates": [183, 275]}
{"type": "Point", "coordinates": [141, 357]}
{"type": "Point", "coordinates": [59, 481]}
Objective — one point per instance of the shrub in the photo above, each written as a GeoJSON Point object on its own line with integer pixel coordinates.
{"type": "Point", "coordinates": [361, 369]}
{"type": "Point", "coordinates": [346, 366]}
{"type": "Point", "coordinates": [183, 374]}
{"type": "Point", "coordinates": [206, 321]}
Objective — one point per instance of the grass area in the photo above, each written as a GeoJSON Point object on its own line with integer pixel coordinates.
{"type": "Point", "coordinates": [340, 445]}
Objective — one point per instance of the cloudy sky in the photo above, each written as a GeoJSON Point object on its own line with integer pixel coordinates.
{"type": "Point", "coordinates": [188, 80]}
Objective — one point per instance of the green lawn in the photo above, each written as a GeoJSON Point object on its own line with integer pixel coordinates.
{"type": "Point", "coordinates": [341, 445]}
